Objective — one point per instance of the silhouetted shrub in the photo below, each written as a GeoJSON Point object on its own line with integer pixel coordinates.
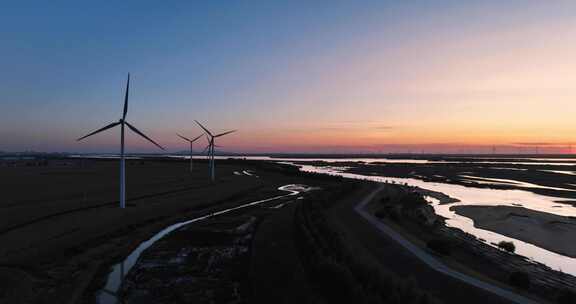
{"type": "Point", "coordinates": [566, 297]}
{"type": "Point", "coordinates": [385, 200]}
{"type": "Point", "coordinates": [381, 213]}
{"type": "Point", "coordinates": [394, 213]}
{"type": "Point", "coordinates": [519, 279]}
{"type": "Point", "coordinates": [440, 246]}
{"type": "Point", "coordinates": [335, 268]}
{"type": "Point", "coordinates": [508, 246]}
{"type": "Point", "coordinates": [335, 276]}
{"type": "Point", "coordinates": [411, 200]}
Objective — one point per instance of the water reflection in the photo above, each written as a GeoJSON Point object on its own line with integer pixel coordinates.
{"type": "Point", "coordinates": [482, 197]}
{"type": "Point", "coordinates": [476, 160]}
{"type": "Point", "coordinates": [560, 172]}
{"type": "Point", "coordinates": [114, 281]}
{"type": "Point", "coordinates": [109, 294]}
{"type": "Point", "coordinates": [526, 161]}
{"type": "Point", "coordinates": [509, 182]}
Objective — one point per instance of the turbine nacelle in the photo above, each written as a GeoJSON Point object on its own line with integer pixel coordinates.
{"type": "Point", "coordinates": [188, 139]}
{"type": "Point", "coordinates": [122, 121]}
{"type": "Point", "coordinates": [211, 145]}
{"type": "Point", "coordinates": [191, 141]}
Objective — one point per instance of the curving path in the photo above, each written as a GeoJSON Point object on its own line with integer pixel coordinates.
{"type": "Point", "coordinates": [432, 261]}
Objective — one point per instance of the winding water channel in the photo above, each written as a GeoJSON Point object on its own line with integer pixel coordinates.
{"type": "Point", "coordinates": [468, 195]}
{"type": "Point", "coordinates": [109, 294]}
{"type": "Point", "coordinates": [463, 194]}
{"type": "Point", "coordinates": [484, 197]}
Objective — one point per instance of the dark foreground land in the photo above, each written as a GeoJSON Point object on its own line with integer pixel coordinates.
{"type": "Point", "coordinates": [61, 230]}
{"type": "Point", "coordinates": [410, 214]}
{"type": "Point", "coordinates": [60, 225]}
{"type": "Point", "coordinates": [282, 252]}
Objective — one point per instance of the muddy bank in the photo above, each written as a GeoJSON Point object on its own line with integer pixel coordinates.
{"type": "Point", "coordinates": [201, 263]}
{"type": "Point", "coordinates": [540, 179]}
{"type": "Point", "coordinates": [61, 227]}
{"type": "Point", "coordinates": [545, 230]}
{"type": "Point", "coordinates": [206, 261]}
{"type": "Point", "coordinates": [413, 216]}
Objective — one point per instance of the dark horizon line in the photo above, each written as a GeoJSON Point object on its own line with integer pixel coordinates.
{"type": "Point", "coordinates": [293, 154]}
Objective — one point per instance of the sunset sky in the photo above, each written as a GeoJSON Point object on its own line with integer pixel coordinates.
{"type": "Point", "coordinates": [292, 76]}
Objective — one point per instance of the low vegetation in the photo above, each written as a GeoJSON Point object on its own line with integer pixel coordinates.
{"type": "Point", "coordinates": [566, 297]}
{"type": "Point", "coordinates": [519, 279]}
{"type": "Point", "coordinates": [440, 246]}
{"type": "Point", "coordinates": [401, 203]}
{"type": "Point", "coordinates": [507, 246]}
{"type": "Point", "coordinates": [214, 255]}
{"type": "Point", "coordinates": [408, 209]}
{"type": "Point", "coordinates": [339, 272]}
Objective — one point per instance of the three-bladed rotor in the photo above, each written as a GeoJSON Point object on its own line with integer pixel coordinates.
{"type": "Point", "coordinates": [123, 121]}
{"type": "Point", "coordinates": [211, 145]}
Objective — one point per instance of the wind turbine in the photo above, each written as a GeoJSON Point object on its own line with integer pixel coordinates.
{"type": "Point", "coordinates": [122, 122]}
{"type": "Point", "coordinates": [191, 141]}
{"type": "Point", "coordinates": [211, 146]}
{"type": "Point", "coordinates": [207, 150]}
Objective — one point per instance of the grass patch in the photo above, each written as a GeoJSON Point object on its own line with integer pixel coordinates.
{"type": "Point", "coordinates": [440, 246]}
{"type": "Point", "coordinates": [338, 272]}
{"type": "Point", "coordinates": [519, 279]}
{"type": "Point", "coordinates": [566, 297]}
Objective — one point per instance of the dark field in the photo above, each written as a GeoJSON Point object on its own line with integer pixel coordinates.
{"type": "Point", "coordinates": [62, 230]}
{"type": "Point", "coordinates": [60, 225]}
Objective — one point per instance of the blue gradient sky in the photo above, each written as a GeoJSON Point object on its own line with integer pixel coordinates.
{"type": "Point", "coordinates": [306, 76]}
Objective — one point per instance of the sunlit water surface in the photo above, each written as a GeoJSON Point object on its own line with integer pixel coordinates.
{"type": "Point", "coordinates": [482, 160]}
{"type": "Point", "coordinates": [465, 195]}
{"type": "Point", "coordinates": [481, 197]}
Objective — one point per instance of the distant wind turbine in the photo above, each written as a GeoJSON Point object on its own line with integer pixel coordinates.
{"type": "Point", "coordinates": [191, 141]}
{"type": "Point", "coordinates": [122, 122]}
{"type": "Point", "coordinates": [211, 146]}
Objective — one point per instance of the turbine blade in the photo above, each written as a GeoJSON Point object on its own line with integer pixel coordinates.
{"type": "Point", "coordinates": [112, 125]}
{"type": "Point", "coordinates": [205, 149]}
{"type": "Point", "coordinates": [222, 134]}
{"type": "Point", "coordinates": [195, 139]}
{"type": "Point", "coordinates": [184, 138]}
{"type": "Point", "coordinates": [126, 98]}
{"type": "Point", "coordinates": [142, 134]}
{"type": "Point", "coordinates": [201, 126]}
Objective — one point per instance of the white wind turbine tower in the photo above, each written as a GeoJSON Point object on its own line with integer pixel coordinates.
{"type": "Point", "coordinates": [211, 146]}
{"type": "Point", "coordinates": [122, 122]}
{"type": "Point", "coordinates": [191, 141]}
{"type": "Point", "coordinates": [208, 152]}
